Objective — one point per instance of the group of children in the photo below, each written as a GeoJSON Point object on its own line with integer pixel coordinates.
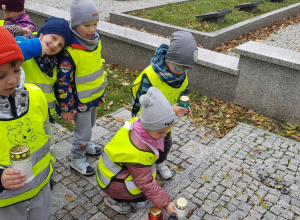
{"type": "Point", "coordinates": [61, 69]}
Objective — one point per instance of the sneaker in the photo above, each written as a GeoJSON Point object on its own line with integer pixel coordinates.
{"type": "Point", "coordinates": [164, 171]}
{"type": "Point", "coordinates": [93, 150]}
{"type": "Point", "coordinates": [82, 166]}
{"type": "Point", "coordinates": [120, 207]}
{"type": "Point", "coordinates": [139, 205]}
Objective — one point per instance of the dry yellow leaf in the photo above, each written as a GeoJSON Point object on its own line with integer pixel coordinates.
{"type": "Point", "coordinates": [260, 198]}
{"type": "Point", "coordinates": [69, 197]}
{"type": "Point", "coordinates": [205, 178]}
{"type": "Point", "coordinates": [205, 137]}
{"type": "Point", "coordinates": [229, 175]}
{"type": "Point", "coordinates": [119, 119]}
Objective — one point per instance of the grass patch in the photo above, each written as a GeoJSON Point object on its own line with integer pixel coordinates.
{"type": "Point", "coordinates": [183, 14]}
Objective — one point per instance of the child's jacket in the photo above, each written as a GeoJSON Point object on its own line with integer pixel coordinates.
{"type": "Point", "coordinates": [24, 121]}
{"type": "Point", "coordinates": [23, 20]}
{"type": "Point", "coordinates": [81, 78]}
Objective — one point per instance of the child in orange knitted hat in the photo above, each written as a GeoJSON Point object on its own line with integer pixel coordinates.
{"type": "Point", "coordinates": [23, 121]}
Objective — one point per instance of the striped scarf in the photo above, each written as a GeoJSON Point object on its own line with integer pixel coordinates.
{"type": "Point", "coordinates": [159, 66]}
{"type": "Point", "coordinates": [21, 20]}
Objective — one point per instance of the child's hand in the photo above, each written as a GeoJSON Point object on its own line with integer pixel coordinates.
{"type": "Point", "coordinates": [68, 116]}
{"type": "Point", "coordinates": [170, 208]}
{"type": "Point", "coordinates": [179, 111]}
{"type": "Point", "coordinates": [12, 179]}
{"type": "Point", "coordinates": [26, 31]}
{"type": "Point", "coordinates": [44, 46]}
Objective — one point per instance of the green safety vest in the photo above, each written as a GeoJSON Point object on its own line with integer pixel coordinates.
{"type": "Point", "coordinates": [171, 94]}
{"type": "Point", "coordinates": [90, 77]}
{"type": "Point", "coordinates": [3, 21]}
{"type": "Point", "coordinates": [119, 151]}
{"type": "Point", "coordinates": [27, 129]}
{"type": "Point", "coordinates": [33, 74]}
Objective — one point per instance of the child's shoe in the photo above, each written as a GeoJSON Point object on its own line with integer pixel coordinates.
{"type": "Point", "coordinates": [82, 166]}
{"type": "Point", "coordinates": [164, 171]}
{"type": "Point", "coordinates": [120, 207]}
{"type": "Point", "coordinates": [92, 149]}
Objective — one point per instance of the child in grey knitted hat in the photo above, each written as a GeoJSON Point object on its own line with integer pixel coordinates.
{"type": "Point", "coordinates": [81, 68]}
{"type": "Point", "coordinates": [168, 72]}
{"type": "Point", "coordinates": [126, 168]}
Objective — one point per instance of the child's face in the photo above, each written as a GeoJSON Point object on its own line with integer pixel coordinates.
{"type": "Point", "coordinates": [158, 134]}
{"type": "Point", "coordinates": [9, 77]}
{"type": "Point", "coordinates": [55, 43]}
{"type": "Point", "coordinates": [176, 68]}
{"type": "Point", "coordinates": [87, 30]}
{"type": "Point", "coordinates": [10, 14]}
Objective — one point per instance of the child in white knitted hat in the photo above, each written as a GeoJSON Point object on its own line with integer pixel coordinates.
{"type": "Point", "coordinates": [126, 169]}
{"type": "Point", "coordinates": [168, 72]}
{"type": "Point", "coordinates": [81, 82]}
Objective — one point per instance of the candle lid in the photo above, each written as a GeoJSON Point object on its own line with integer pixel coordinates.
{"type": "Point", "coordinates": [19, 152]}
{"type": "Point", "coordinates": [184, 98]}
{"type": "Point", "coordinates": [155, 211]}
{"type": "Point", "coordinates": [181, 203]}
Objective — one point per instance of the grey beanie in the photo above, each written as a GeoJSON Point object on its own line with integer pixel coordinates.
{"type": "Point", "coordinates": [182, 48]}
{"type": "Point", "coordinates": [157, 112]}
{"type": "Point", "coordinates": [82, 11]}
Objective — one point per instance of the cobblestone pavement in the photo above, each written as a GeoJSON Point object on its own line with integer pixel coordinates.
{"type": "Point", "coordinates": [251, 174]}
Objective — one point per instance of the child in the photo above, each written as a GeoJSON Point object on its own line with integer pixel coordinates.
{"type": "Point", "coordinates": [45, 47]}
{"type": "Point", "coordinates": [126, 169]}
{"type": "Point", "coordinates": [23, 121]}
{"type": "Point", "coordinates": [14, 14]}
{"type": "Point", "coordinates": [168, 72]}
{"type": "Point", "coordinates": [81, 82]}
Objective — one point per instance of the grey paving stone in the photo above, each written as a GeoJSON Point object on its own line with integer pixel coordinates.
{"type": "Point", "coordinates": [58, 196]}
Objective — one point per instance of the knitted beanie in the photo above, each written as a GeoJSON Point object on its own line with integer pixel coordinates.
{"type": "Point", "coordinates": [182, 48]}
{"type": "Point", "coordinates": [57, 26]}
{"type": "Point", "coordinates": [9, 49]}
{"type": "Point", "coordinates": [12, 5]}
{"type": "Point", "coordinates": [157, 112]}
{"type": "Point", "coordinates": [82, 11]}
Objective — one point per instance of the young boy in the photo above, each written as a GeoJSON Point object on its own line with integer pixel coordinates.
{"type": "Point", "coordinates": [42, 68]}
{"type": "Point", "coordinates": [81, 82]}
{"type": "Point", "coordinates": [15, 18]}
{"type": "Point", "coordinates": [23, 121]}
{"type": "Point", "coordinates": [168, 72]}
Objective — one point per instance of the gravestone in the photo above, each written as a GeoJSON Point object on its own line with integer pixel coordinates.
{"type": "Point", "coordinates": [216, 17]}
{"type": "Point", "coordinates": [249, 6]}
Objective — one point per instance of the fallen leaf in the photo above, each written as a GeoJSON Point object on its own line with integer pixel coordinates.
{"type": "Point", "coordinates": [229, 175]}
{"type": "Point", "coordinates": [190, 212]}
{"type": "Point", "coordinates": [202, 129]}
{"type": "Point", "coordinates": [260, 198]}
{"type": "Point", "coordinates": [278, 186]}
{"type": "Point", "coordinates": [205, 137]}
{"type": "Point", "coordinates": [102, 203]}
{"type": "Point", "coordinates": [104, 119]}
{"type": "Point", "coordinates": [279, 177]}
{"type": "Point", "coordinates": [251, 156]}
{"type": "Point", "coordinates": [109, 104]}
{"type": "Point", "coordinates": [256, 150]}
{"type": "Point", "coordinates": [263, 205]}
{"type": "Point", "coordinates": [225, 177]}
{"type": "Point", "coordinates": [205, 178]}
{"type": "Point", "coordinates": [63, 130]}
{"type": "Point", "coordinates": [69, 197]}
{"type": "Point", "coordinates": [125, 84]}
{"type": "Point", "coordinates": [119, 119]}
{"type": "Point", "coordinates": [238, 192]}
{"type": "Point", "coordinates": [121, 100]}
{"type": "Point", "coordinates": [219, 207]}
{"type": "Point", "coordinates": [242, 170]}
{"type": "Point", "coordinates": [179, 170]}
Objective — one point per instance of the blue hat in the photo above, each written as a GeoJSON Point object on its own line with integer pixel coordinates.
{"type": "Point", "coordinates": [57, 26]}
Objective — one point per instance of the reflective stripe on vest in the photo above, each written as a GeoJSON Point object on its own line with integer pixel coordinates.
{"type": "Point", "coordinates": [90, 77]}
{"type": "Point", "coordinates": [33, 74]}
{"type": "Point", "coordinates": [28, 130]}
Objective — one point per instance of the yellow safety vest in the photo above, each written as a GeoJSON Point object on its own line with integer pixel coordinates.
{"type": "Point", "coordinates": [171, 94]}
{"type": "Point", "coordinates": [28, 130]}
{"type": "Point", "coordinates": [118, 151]}
{"type": "Point", "coordinates": [3, 21]}
{"type": "Point", "coordinates": [90, 77]}
{"type": "Point", "coordinates": [33, 74]}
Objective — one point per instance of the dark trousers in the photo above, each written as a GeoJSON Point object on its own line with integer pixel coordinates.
{"type": "Point", "coordinates": [167, 148]}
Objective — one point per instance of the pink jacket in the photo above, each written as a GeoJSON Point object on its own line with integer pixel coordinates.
{"type": "Point", "coordinates": [143, 179]}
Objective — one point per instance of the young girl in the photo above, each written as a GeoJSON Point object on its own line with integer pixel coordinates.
{"type": "Point", "coordinates": [126, 169]}
{"type": "Point", "coordinates": [81, 82]}
{"type": "Point", "coordinates": [15, 18]}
